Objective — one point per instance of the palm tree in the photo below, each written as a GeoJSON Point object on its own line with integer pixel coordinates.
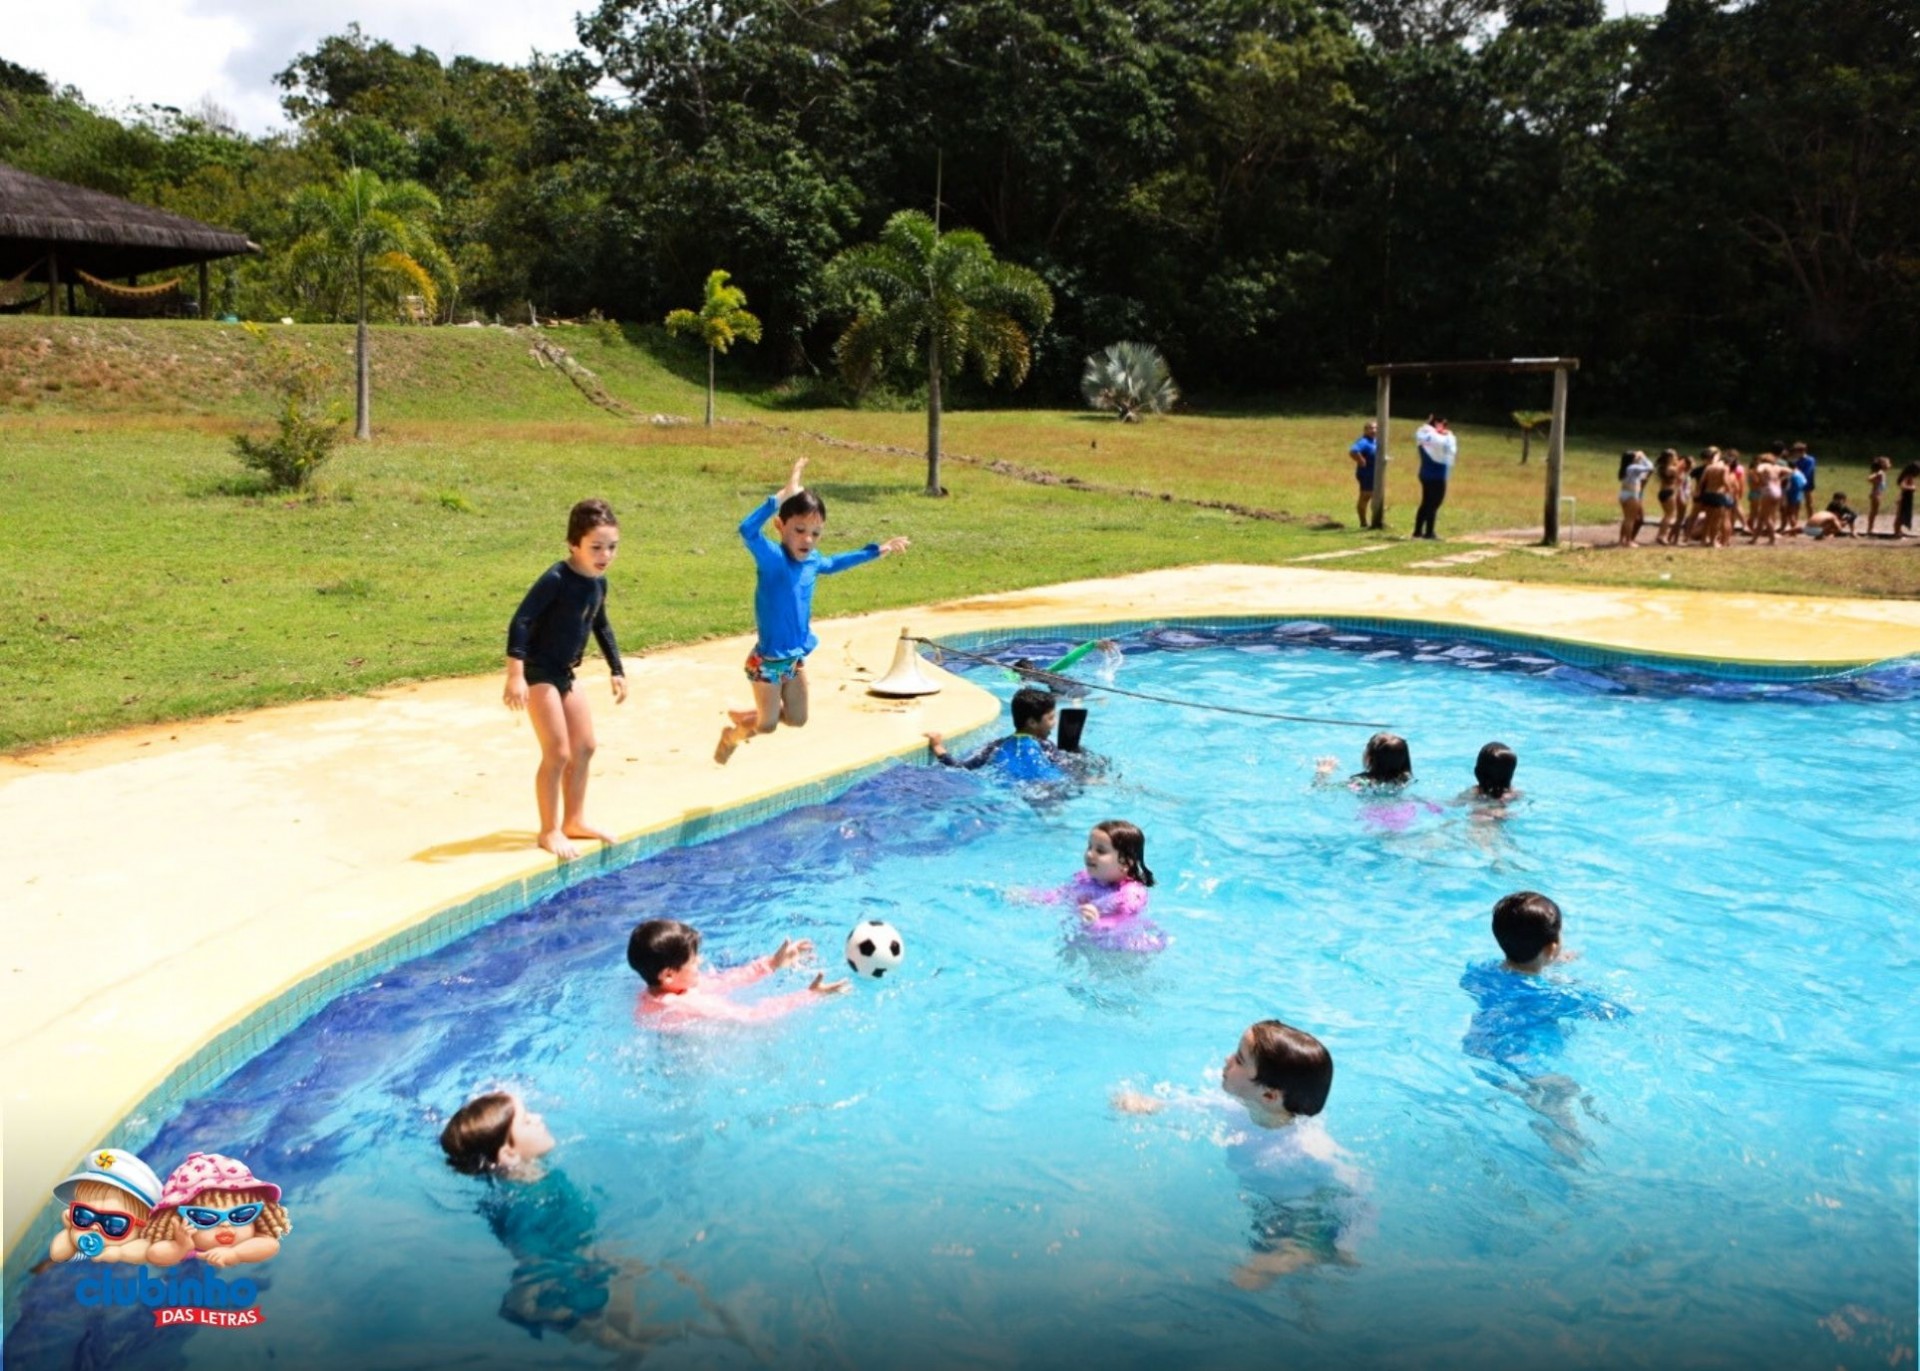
{"type": "Point", "coordinates": [722, 318]}
{"type": "Point", "coordinates": [918, 285]}
{"type": "Point", "coordinates": [375, 233]}
{"type": "Point", "coordinates": [1127, 379]}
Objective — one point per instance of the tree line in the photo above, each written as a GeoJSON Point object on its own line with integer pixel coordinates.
{"type": "Point", "coordinates": [1713, 208]}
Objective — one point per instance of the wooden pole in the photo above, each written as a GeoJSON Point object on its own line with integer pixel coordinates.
{"type": "Point", "coordinates": [1556, 450]}
{"type": "Point", "coordinates": [1382, 397]}
{"type": "Point", "coordinates": [206, 301]}
{"type": "Point", "coordinates": [53, 283]}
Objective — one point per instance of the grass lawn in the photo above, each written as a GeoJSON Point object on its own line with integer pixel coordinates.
{"type": "Point", "coordinates": [147, 583]}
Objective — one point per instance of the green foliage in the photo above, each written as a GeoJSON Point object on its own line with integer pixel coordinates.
{"type": "Point", "coordinates": [1129, 379]}
{"type": "Point", "coordinates": [723, 316]}
{"type": "Point", "coordinates": [919, 295]}
{"type": "Point", "coordinates": [363, 235]}
{"type": "Point", "coordinates": [306, 433]}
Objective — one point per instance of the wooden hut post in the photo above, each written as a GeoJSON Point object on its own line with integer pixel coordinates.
{"type": "Point", "coordinates": [206, 301]}
{"type": "Point", "coordinates": [1556, 451]}
{"type": "Point", "coordinates": [1383, 394]}
{"type": "Point", "coordinates": [53, 283]}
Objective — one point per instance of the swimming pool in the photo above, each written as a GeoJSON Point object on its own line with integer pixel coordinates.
{"type": "Point", "coordinates": [928, 1171]}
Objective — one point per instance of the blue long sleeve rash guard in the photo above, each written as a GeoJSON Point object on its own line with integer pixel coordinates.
{"type": "Point", "coordinates": [783, 596]}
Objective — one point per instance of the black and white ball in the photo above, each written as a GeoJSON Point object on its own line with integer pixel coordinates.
{"type": "Point", "coordinates": [874, 948]}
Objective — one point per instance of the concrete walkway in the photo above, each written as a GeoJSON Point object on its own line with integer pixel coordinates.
{"type": "Point", "coordinates": [159, 886]}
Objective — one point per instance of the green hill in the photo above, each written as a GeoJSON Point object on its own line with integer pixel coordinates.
{"type": "Point", "coordinates": [156, 369]}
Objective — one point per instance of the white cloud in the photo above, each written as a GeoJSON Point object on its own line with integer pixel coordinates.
{"type": "Point", "coordinates": [123, 53]}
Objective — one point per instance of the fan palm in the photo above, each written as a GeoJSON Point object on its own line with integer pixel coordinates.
{"type": "Point", "coordinates": [722, 318]}
{"type": "Point", "coordinates": [917, 287]}
{"type": "Point", "coordinates": [369, 232]}
{"type": "Point", "coordinates": [1128, 378]}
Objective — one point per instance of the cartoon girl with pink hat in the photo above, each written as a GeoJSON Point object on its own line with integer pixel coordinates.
{"type": "Point", "coordinates": [215, 1209]}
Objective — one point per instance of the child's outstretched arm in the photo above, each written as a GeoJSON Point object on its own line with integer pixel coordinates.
{"type": "Point", "coordinates": [793, 486]}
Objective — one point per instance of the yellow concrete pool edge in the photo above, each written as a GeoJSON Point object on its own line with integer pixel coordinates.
{"type": "Point", "coordinates": [389, 791]}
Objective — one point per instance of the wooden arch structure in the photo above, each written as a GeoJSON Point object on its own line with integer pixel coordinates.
{"type": "Point", "coordinates": [1384, 373]}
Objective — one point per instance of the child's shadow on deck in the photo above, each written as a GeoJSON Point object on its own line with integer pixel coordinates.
{"type": "Point", "coordinates": [503, 840]}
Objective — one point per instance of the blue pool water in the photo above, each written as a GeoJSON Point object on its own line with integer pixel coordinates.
{"type": "Point", "coordinates": [928, 1171]}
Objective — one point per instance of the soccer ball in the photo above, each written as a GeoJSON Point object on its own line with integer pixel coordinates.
{"type": "Point", "coordinates": [874, 948]}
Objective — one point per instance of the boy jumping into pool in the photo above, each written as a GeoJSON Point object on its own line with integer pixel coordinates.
{"type": "Point", "coordinates": [783, 606]}
{"type": "Point", "coordinates": [545, 643]}
{"type": "Point", "coordinates": [1305, 1190]}
{"type": "Point", "coordinates": [666, 953]}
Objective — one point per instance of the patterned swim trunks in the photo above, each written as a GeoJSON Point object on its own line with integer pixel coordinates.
{"type": "Point", "coordinates": [773, 671]}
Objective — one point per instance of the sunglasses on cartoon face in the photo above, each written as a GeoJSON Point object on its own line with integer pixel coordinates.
{"type": "Point", "coordinates": [110, 1222]}
{"type": "Point", "coordinates": [239, 1216]}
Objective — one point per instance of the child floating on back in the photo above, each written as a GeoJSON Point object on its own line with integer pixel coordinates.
{"type": "Point", "coordinates": [1110, 891]}
{"type": "Point", "coordinates": [679, 993]}
{"type": "Point", "coordinates": [545, 643]}
{"type": "Point", "coordinates": [561, 1282]}
{"type": "Point", "coordinates": [1305, 1190]}
{"type": "Point", "coordinates": [783, 606]}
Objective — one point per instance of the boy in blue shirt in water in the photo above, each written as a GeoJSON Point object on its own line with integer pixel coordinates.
{"type": "Point", "coordinates": [783, 606]}
{"type": "Point", "coordinates": [1520, 1025]}
{"type": "Point", "coordinates": [1028, 753]}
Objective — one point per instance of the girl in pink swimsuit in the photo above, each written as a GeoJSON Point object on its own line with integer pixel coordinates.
{"type": "Point", "coordinates": [1110, 893]}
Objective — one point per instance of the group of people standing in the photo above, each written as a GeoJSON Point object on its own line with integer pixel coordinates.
{"type": "Point", "coordinates": [1702, 499]}
{"type": "Point", "coordinates": [1705, 499]}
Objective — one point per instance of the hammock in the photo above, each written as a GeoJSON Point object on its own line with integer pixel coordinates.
{"type": "Point", "coordinates": [13, 294]}
{"type": "Point", "coordinates": [158, 299]}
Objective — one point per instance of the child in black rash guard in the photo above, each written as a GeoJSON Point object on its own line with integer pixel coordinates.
{"type": "Point", "coordinates": [545, 642]}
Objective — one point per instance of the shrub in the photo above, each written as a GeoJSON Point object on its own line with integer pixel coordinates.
{"type": "Point", "coordinates": [307, 431]}
{"type": "Point", "coordinates": [1128, 379]}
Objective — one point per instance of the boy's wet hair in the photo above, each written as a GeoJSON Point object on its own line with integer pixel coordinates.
{"type": "Point", "coordinates": [1295, 1063]}
{"type": "Point", "coordinates": [1130, 846]}
{"type": "Point", "coordinates": [1387, 759]}
{"type": "Point", "coordinates": [473, 1137]}
{"type": "Point", "coordinates": [802, 502]}
{"type": "Point", "coordinates": [1031, 704]}
{"type": "Point", "coordinates": [1493, 769]}
{"type": "Point", "coordinates": [586, 516]}
{"type": "Point", "coordinates": [661, 945]}
{"type": "Point", "coordinates": [1525, 923]}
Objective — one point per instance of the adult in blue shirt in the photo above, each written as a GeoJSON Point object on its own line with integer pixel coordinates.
{"type": "Point", "coordinates": [1365, 452]}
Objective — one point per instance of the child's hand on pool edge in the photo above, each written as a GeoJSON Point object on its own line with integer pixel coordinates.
{"type": "Point", "coordinates": [822, 986]}
{"type": "Point", "coordinates": [790, 952]}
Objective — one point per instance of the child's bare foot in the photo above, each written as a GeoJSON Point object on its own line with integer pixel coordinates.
{"type": "Point", "coordinates": [554, 841]}
{"type": "Point", "coordinates": [580, 828]}
{"type": "Point", "coordinates": [730, 738]}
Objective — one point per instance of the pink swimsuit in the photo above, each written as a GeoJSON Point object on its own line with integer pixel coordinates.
{"type": "Point", "coordinates": [1121, 924]}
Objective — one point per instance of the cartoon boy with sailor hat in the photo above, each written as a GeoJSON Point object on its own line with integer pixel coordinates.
{"type": "Point", "coordinates": [108, 1199]}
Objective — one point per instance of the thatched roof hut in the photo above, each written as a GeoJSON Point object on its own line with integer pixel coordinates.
{"type": "Point", "coordinates": [52, 230]}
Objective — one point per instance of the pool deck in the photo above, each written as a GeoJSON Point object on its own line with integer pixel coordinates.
{"type": "Point", "coordinates": [163, 884]}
